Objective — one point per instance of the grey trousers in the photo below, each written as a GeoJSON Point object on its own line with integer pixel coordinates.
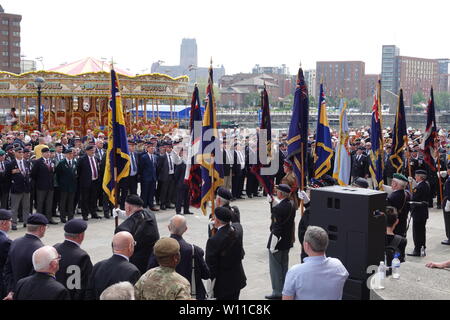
{"type": "Point", "coordinates": [278, 266]}
{"type": "Point", "coordinates": [44, 200]}
{"type": "Point", "coordinates": [16, 200]}
{"type": "Point", "coordinates": [66, 205]}
{"type": "Point", "coordinates": [227, 182]}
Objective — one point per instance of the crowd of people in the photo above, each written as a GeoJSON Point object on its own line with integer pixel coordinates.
{"type": "Point", "coordinates": [50, 178]}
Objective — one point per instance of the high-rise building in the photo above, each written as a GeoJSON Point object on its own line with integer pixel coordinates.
{"type": "Point", "coordinates": [310, 79]}
{"type": "Point", "coordinates": [389, 70]}
{"type": "Point", "coordinates": [443, 74]}
{"type": "Point", "coordinates": [188, 53]}
{"type": "Point", "coordinates": [9, 41]}
{"type": "Point", "coordinates": [27, 65]}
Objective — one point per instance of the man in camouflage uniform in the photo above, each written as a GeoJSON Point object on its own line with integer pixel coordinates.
{"type": "Point", "coordinates": [163, 282]}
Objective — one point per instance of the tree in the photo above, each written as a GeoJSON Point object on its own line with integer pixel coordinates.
{"type": "Point", "coordinates": [354, 103]}
{"type": "Point", "coordinates": [418, 98]}
{"type": "Point", "coordinates": [442, 100]}
{"type": "Point", "coordinates": [312, 102]}
{"type": "Point", "coordinates": [252, 99]}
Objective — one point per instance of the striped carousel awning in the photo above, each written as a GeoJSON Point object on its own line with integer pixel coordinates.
{"type": "Point", "coordinates": [87, 65]}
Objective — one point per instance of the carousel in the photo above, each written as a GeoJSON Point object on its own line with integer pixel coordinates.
{"type": "Point", "coordinates": [75, 97]}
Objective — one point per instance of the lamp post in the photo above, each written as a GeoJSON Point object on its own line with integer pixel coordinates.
{"type": "Point", "coordinates": [39, 81]}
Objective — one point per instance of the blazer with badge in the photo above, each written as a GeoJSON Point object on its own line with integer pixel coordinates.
{"type": "Point", "coordinates": [40, 286]}
{"type": "Point", "coordinates": [108, 272]}
{"type": "Point", "coordinates": [5, 244]}
{"type": "Point", "coordinates": [43, 174]}
{"type": "Point", "coordinates": [73, 255]}
{"type": "Point", "coordinates": [224, 254]}
{"type": "Point", "coordinates": [282, 226]}
{"type": "Point", "coordinates": [20, 183]}
{"type": "Point", "coordinates": [421, 193]}
{"type": "Point", "coordinates": [360, 167]}
{"type": "Point", "coordinates": [66, 176]}
{"type": "Point", "coordinates": [84, 172]}
{"type": "Point", "coordinates": [19, 263]}
{"type": "Point", "coordinates": [147, 169]}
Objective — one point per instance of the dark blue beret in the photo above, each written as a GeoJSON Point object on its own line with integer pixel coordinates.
{"type": "Point", "coordinates": [75, 226]}
{"type": "Point", "coordinates": [90, 147]}
{"type": "Point", "coordinates": [421, 172]}
{"type": "Point", "coordinates": [45, 150]}
{"type": "Point", "coordinates": [224, 193]}
{"type": "Point", "coordinates": [5, 214]}
{"type": "Point", "coordinates": [361, 182]}
{"type": "Point", "coordinates": [135, 200]}
{"type": "Point", "coordinates": [223, 214]}
{"type": "Point", "coordinates": [37, 219]}
{"type": "Point", "coordinates": [284, 188]}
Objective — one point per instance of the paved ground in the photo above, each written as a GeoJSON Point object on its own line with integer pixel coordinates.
{"type": "Point", "coordinates": [255, 218]}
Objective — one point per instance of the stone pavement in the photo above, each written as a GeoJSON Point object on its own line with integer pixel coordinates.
{"type": "Point", "coordinates": [255, 218]}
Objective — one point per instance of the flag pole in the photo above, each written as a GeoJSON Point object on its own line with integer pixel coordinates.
{"type": "Point", "coordinates": [409, 167]}
{"type": "Point", "coordinates": [302, 182]}
{"type": "Point", "coordinates": [439, 175]}
{"type": "Point", "coordinates": [213, 205]}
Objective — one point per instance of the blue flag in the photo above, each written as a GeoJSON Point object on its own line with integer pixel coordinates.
{"type": "Point", "coordinates": [324, 149]}
{"type": "Point", "coordinates": [342, 160]}
{"type": "Point", "coordinates": [298, 129]}
{"type": "Point", "coordinates": [376, 138]}
{"type": "Point", "coordinates": [399, 135]}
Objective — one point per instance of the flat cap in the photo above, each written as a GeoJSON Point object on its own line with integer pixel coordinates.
{"type": "Point", "coordinates": [399, 176]}
{"type": "Point", "coordinates": [223, 214]}
{"type": "Point", "coordinates": [283, 188]}
{"type": "Point", "coordinates": [361, 183]}
{"type": "Point", "coordinates": [166, 247]}
{"type": "Point", "coordinates": [5, 214]}
{"type": "Point", "coordinates": [45, 150]}
{"type": "Point", "coordinates": [422, 172]}
{"type": "Point", "coordinates": [37, 219]}
{"type": "Point", "coordinates": [224, 193]}
{"type": "Point", "coordinates": [135, 200]}
{"type": "Point", "coordinates": [75, 226]}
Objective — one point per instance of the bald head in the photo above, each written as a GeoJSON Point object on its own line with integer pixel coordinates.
{"type": "Point", "coordinates": [177, 225]}
{"type": "Point", "coordinates": [45, 259]}
{"type": "Point", "coordinates": [123, 243]}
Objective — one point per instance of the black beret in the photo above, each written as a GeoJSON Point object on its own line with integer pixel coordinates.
{"type": "Point", "coordinates": [75, 226]}
{"type": "Point", "coordinates": [224, 193]}
{"type": "Point", "coordinates": [135, 200]}
{"type": "Point", "coordinates": [69, 150]}
{"type": "Point", "coordinates": [26, 151]}
{"type": "Point", "coordinates": [423, 172]}
{"type": "Point", "coordinates": [89, 148]}
{"type": "Point", "coordinates": [361, 148]}
{"type": "Point", "coordinates": [17, 149]}
{"type": "Point", "coordinates": [45, 150]}
{"type": "Point", "coordinates": [131, 142]}
{"type": "Point", "coordinates": [283, 188]}
{"type": "Point", "coordinates": [361, 182]}
{"type": "Point", "coordinates": [9, 147]}
{"type": "Point", "coordinates": [5, 214]}
{"type": "Point", "coordinates": [149, 143]}
{"type": "Point", "coordinates": [58, 144]}
{"type": "Point", "coordinates": [37, 219]}
{"type": "Point", "coordinates": [223, 214]}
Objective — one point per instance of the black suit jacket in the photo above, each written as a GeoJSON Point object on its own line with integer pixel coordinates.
{"type": "Point", "coordinates": [5, 183]}
{"type": "Point", "coordinates": [283, 215]}
{"type": "Point", "coordinates": [5, 244]}
{"type": "Point", "coordinates": [144, 233]}
{"type": "Point", "coordinates": [19, 264]}
{"type": "Point", "coordinates": [224, 254]}
{"type": "Point", "coordinates": [40, 286]}
{"type": "Point", "coordinates": [19, 183]}
{"type": "Point", "coordinates": [66, 176]}
{"type": "Point", "coordinates": [111, 271]}
{"type": "Point", "coordinates": [163, 167]}
{"type": "Point", "coordinates": [42, 175]}
{"type": "Point", "coordinates": [147, 171]}
{"type": "Point", "coordinates": [180, 171]}
{"type": "Point", "coordinates": [184, 268]}
{"type": "Point", "coordinates": [421, 193]}
{"type": "Point", "coordinates": [73, 255]}
{"type": "Point", "coordinates": [84, 171]}
{"type": "Point", "coordinates": [360, 168]}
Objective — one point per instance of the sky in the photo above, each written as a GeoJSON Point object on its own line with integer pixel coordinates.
{"type": "Point", "coordinates": [236, 33]}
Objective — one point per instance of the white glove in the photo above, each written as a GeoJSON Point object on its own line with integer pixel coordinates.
{"type": "Point", "coordinates": [410, 179]}
{"type": "Point", "coordinates": [273, 243]}
{"type": "Point", "coordinates": [303, 196]}
{"type": "Point", "coordinates": [116, 212]}
{"type": "Point", "coordinates": [211, 224]}
{"type": "Point", "coordinates": [447, 206]}
{"type": "Point", "coordinates": [210, 289]}
{"type": "Point", "coordinates": [269, 198]}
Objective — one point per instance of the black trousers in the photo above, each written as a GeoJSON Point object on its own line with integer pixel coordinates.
{"type": "Point", "coordinates": [232, 296]}
{"type": "Point", "coordinates": [167, 191]}
{"type": "Point", "coordinates": [132, 184]}
{"type": "Point", "coordinates": [235, 185]}
{"type": "Point", "coordinates": [123, 192]}
{"type": "Point", "coordinates": [182, 195]}
{"type": "Point", "coordinates": [88, 199]}
{"type": "Point", "coordinates": [4, 198]}
{"type": "Point", "coordinates": [419, 236]}
{"type": "Point", "coordinates": [252, 184]}
{"type": "Point", "coordinates": [67, 204]}
{"type": "Point", "coordinates": [44, 200]}
{"type": "Point", "coordinates": [148, 190]}
{"type": "Point", "coordinates": [56, 200]}
{"type": "Point", "coordinates": [447, 223]}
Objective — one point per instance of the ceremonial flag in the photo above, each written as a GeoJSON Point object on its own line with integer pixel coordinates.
{"type": "Point", "coordinates": [399, 135]}
{"type": "Point", "coordinates": [324, 149]}
{"type": "Point", "coordinates": [212, 171]}
{"type": "Point", "coordinates": [377, 154]}
{"type": "Point", "coordinates": [298, 129]}
{"type": "Point", "coordinates": [117, 156]}
{"type": "Point", "coordinates": [265, 180]}
{"type": "Point", "coordinates": [429, 139]}
{"type": "Point", "coordinates": [193, 173]}
{"type": "Point", "coordinates": [342, 160]}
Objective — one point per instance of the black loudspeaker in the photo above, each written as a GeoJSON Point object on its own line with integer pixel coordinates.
{"type": "Point", "coordinates": [355, 229]}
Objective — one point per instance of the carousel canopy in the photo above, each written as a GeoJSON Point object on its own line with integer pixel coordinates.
{"type": "Point", "coordinates": [87, 65]}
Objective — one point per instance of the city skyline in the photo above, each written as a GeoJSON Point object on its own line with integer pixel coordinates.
{"type": "Point", "coordinates": [265, 34]}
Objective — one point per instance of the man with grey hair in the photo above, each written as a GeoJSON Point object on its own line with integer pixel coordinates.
{"type": "Point", "coordinates": [281, 240]}
{"type": "Point", "coordinates": [399, 199]}
{"type": "Point", "coordinates": [119, 291]}
{"type": "Point", "coordinates": [42, 285]}
{"type": "Point", "coordinates": [319, 277]}
{"type": "Point", "coordinates": [189, 253]}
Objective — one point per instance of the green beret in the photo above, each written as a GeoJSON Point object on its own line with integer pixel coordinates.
{"type": "Point", "coordinates": [166, 247]}
{"type": "Point", "coordinates": [2, 153]}
{"type": "Point", "coordinates": [401, 177]}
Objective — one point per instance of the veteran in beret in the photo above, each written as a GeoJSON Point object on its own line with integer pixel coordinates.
{"type": "Point", "coordinates": [399, 198]}
{"type": "Point", "coordinates": [163, 282]}
{"type": "Point", "coordinates": [19, 264]}
{"type": "Point", "coordinates": [75, 265]}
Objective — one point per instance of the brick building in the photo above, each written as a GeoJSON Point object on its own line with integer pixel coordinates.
{"type": "Point", "coordinates": [9, 41]}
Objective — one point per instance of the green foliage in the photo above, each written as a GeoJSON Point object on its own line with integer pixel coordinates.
{"type": "Point", "coordinates": [252, 99]}
{"type": "Point", "coordinates": [418, 98]}
{"type": "Point", "coordinates": [354, 103]}
{"type": "Point", "coordinates": [442, 101]}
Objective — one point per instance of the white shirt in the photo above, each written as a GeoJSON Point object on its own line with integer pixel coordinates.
{"type": "Point", "coordinates": [73, 242]}
{"type": "Point", "coordinates": [93, 164]}
{"type": "Point", "coordinates": [171, 164]}
{"type": "Point", "coordinates": [241, 159]}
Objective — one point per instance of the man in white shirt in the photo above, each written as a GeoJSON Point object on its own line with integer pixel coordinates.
{"type": "Point", "coordinates": [319, 277]}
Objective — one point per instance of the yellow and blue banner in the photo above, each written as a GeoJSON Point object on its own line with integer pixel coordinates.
{"type": "Point", "coordinates": [343, 159]}
{"type": "Point", "coordinates": [376, 167]}
{"type": "Point", "coordinates": [117, 156]}
{"type": "Point", "coordinates": [324, 148]}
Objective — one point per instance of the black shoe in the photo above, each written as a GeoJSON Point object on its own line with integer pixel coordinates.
{"type": "Point", "coordinates": [163, 208]}
{"type": "Point", "coordinates": [95, 216]}
{"type": "Point", "coordinates": [446, 242]}
{"type": "Point", "coordinates": [85, 218]}
{"type": "Point", "coordinates": [273, 297]}
{"type": "Point", "coordinates": [20, 220]}
{"type": "Point", "coordinates": [250, 196]}
{"type": "Point", "coordinates": [107, 216]}
{"type": "Point", "coordinates": [257, 195]}
{"type": "Point", "coordinates": [188, 212]}
{"type": "Point", "coordinates": [240, 197]}
{"type": "Point", "coordinates": [233, 199]}
{"type": "Point", "coordinates": [51, 221]}
{"type": "Point", "coordinates": [69, 218]}
{"type": "Point", "coordinates": [14, 228]}
{"type": "Point", "coordinates": [63, 220]}
{"type": "Point", "coordinates": [414, 254]}
{"type": "Point", "coordinates": [154, 209]}
{"type": "Point", "coordinates": [24, 225]}
{"type": "Point", "coordinates": [170, 207]}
